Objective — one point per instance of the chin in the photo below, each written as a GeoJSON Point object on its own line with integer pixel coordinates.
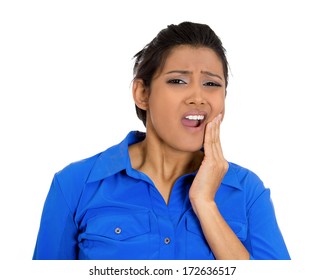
{"type": "Point", "coordinates": [193, 146]}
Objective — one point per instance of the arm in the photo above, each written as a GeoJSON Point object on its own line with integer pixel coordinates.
{"type": "Point", "coordinates": [57, 233]}
{"type": "Point", "coordinates": [265, 240]}
{"type": "Point", "coordinates": [221, 239]}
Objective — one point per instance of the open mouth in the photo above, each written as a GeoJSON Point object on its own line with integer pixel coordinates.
{"type": "Point", "coordinates": [193, 120]}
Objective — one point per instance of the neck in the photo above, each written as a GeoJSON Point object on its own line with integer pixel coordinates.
{"type": "Point", "coordinates": [162, 163]}
{"type": "Point", "coordinates": [157, 159]}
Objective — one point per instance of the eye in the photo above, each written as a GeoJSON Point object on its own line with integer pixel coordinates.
{"type": "Point", "coordinates": [212, 84]}
{"type": "Point", "coordinates": [175, 81]}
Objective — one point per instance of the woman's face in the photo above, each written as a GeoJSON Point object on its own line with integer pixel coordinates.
{"type": "Point", "coordinates": [185, 95]}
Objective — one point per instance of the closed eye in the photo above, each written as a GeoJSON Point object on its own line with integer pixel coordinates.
{"type": "Point", "coordinates": [176, 81]}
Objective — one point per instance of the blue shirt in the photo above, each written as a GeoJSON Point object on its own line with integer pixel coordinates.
{"type": "Point", "coordinates": [102, 208]}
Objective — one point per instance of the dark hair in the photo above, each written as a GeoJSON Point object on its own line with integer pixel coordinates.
{"type": "Point", "coordinates": [152, 57]}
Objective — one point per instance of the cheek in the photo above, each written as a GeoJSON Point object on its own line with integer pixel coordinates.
{"type": "Point", "coordinates": [162, 109]}
{"type": "Point", "coordinates": [218, 105]}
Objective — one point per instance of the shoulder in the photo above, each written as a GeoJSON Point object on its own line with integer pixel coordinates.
{"type": "Point", "coordinates": [246, 180]}
{"type": "Point", "coordinates": [78, 174]}
{"type": "Point", "coordinates": [78, 170]}
{"type": "Point", "coordinates": [71, 179]}
{"type": "Point", "coordinates": [242, 175]}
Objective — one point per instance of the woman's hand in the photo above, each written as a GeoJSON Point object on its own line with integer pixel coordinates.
{"type": "Point", "coordinates": [222, 241]}
{"type": "Point", "coordinates": [213, 167]}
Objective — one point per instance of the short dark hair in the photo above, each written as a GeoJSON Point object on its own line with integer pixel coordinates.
{"type": "Point", "coordinates": [153, 56]}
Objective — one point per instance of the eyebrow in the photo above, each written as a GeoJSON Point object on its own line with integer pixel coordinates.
{"type": "Point", "coordinates": [190, 72]}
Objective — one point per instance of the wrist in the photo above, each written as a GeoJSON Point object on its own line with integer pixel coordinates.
{"type": "Point", "coordinates": [203, 205]}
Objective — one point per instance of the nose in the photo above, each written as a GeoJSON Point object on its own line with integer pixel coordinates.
{"type": "Point", "coordinates": [196, 96]}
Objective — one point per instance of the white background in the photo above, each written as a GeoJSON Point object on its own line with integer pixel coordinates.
{"type": "Point", "coordinates": [65, 94]}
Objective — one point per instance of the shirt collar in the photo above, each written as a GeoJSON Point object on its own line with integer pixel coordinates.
{"type": "Point", "coordinates": [231, 178]}
{"type": "Point", "coordinates": [115, 158]}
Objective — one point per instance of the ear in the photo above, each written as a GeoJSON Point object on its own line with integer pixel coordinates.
{"type": "Point", "coordinates": [140, 94]}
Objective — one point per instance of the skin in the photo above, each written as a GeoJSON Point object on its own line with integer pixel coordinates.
{"type": "Point", "coordinates": [191, 80]}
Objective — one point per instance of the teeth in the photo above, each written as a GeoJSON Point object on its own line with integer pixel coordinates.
{"type": "Point", "coordinates": [195, 117]}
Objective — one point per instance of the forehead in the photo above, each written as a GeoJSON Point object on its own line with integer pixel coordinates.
{"type": "Point", "coordinates": [188, 57]}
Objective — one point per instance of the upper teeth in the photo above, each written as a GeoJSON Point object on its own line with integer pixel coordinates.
{"type": "Point", "coordinates": [195, 117]}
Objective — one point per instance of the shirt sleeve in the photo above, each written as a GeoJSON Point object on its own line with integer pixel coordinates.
{"type": "Point", "coordinates": [58, 232]}
{"type": "Point", "coordinates": [265, 239]}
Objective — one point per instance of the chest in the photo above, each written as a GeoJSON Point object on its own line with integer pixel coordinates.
{"type": "Point", "coordinates": [131, 220]}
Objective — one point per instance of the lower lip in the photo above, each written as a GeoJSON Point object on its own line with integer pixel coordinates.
{"type": "Point", "coordinates": [189, 126]}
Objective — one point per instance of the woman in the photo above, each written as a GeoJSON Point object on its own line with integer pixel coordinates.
{"type": "Point", "coordinates": [168, 193]}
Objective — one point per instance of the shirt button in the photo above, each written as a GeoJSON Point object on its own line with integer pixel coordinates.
{"type": "Point", "coordinates": [167, 240]}
{"type": "Point", "coordinates": [117, 230]}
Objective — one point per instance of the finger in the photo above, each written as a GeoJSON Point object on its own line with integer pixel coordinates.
{"type": "Point", "coordinates": [216, 136]}
{"type": "Point", "coordinates": [216, 128]}
{"type": "Point", "coordinates": [208, 138]}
